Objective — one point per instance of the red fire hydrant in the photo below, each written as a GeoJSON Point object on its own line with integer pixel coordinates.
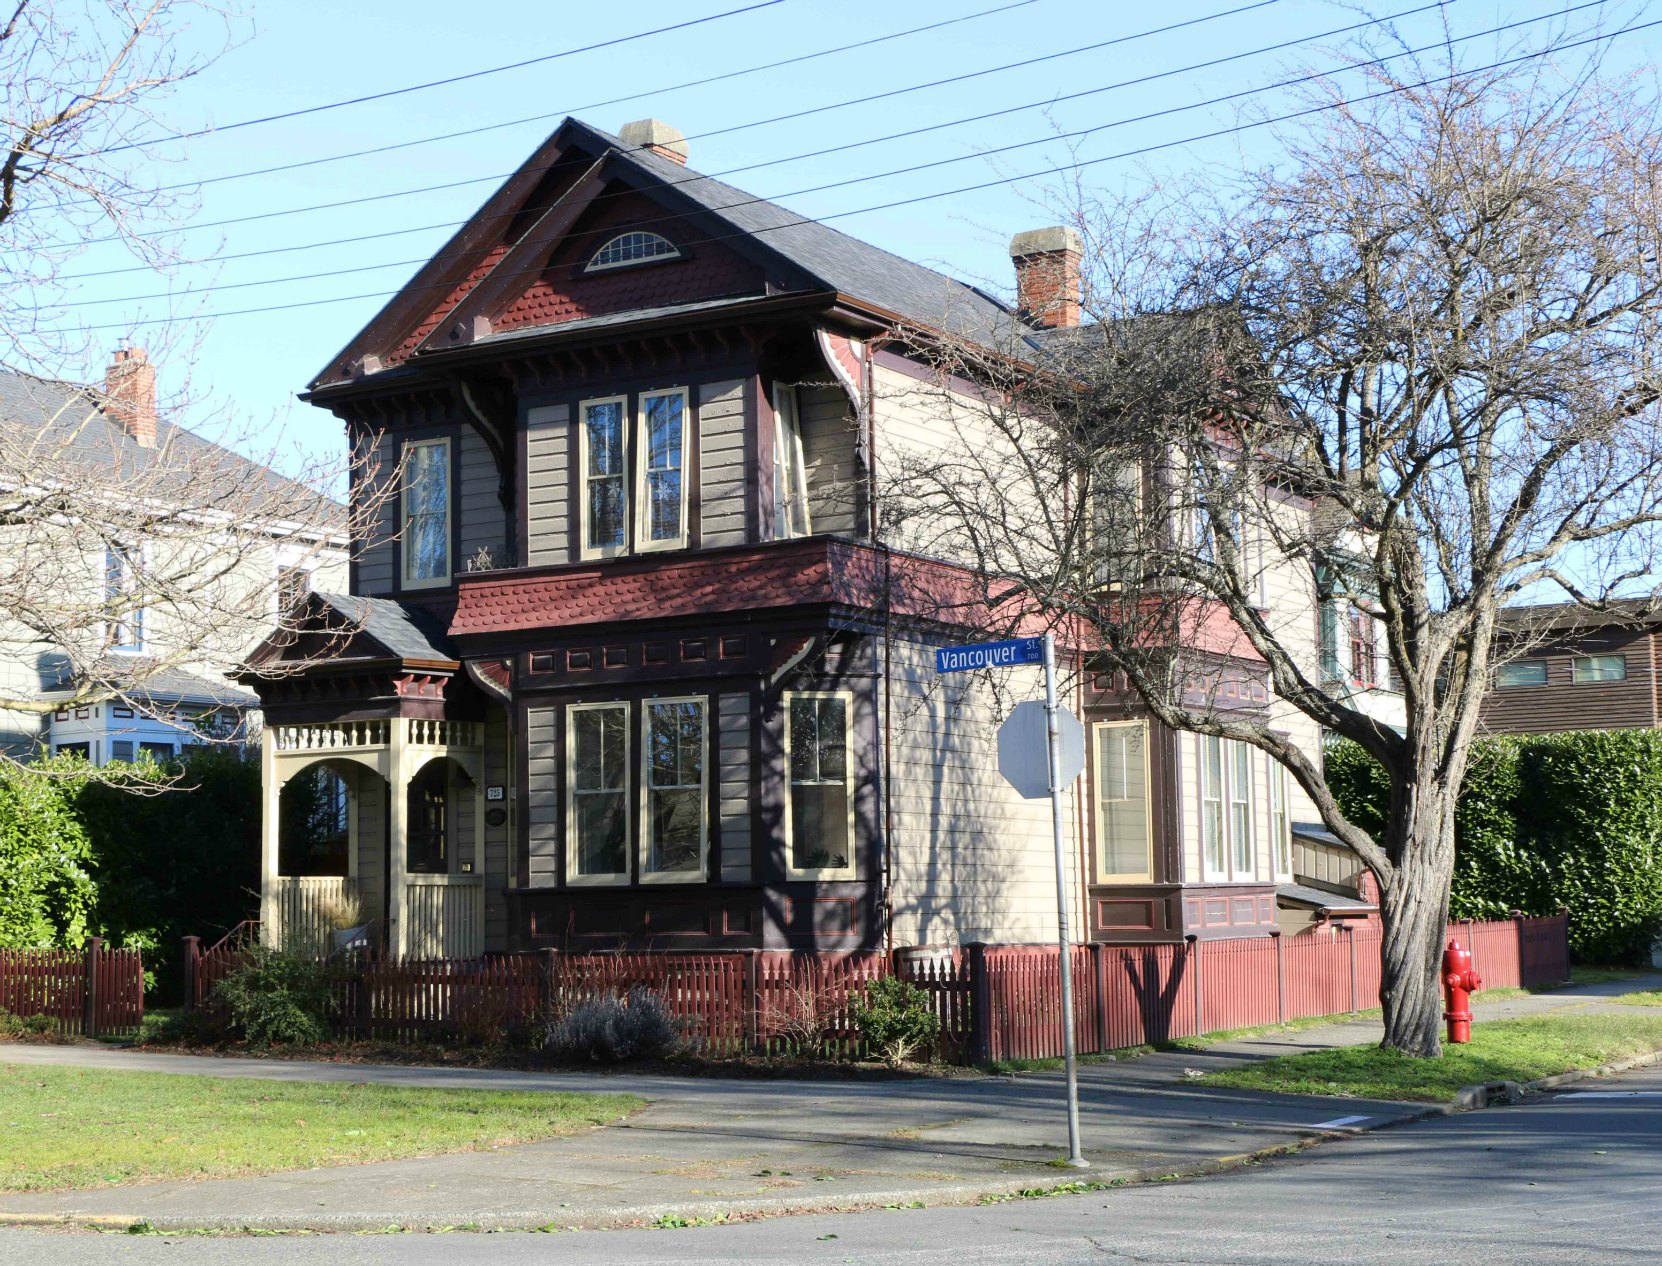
{"type": "Point", "coordinates": [1459, 982]}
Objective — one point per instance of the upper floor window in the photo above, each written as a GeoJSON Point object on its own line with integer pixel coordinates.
{"type": "Point", "coordinates": [124, 616]}
{"type": "Point", "coordinates": [1522, 672]}
{"type": "Point", "coordinates": [293, 584]}
{"type": "Point", "coordinates": [425, 514]}
{"type": "Point", "coordinates": [1364, 649]}
{"type": "Point", "coordinates": [632, 248]}
{"type": "Point", "coordinates": [790, 485]}
{"type": "Point", "coordinates": [659, 491]}
{"type": "Point", "coordinates": [1590, 668]}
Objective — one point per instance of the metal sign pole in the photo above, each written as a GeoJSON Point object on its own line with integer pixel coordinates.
{"type": "Point", "coordinates": [1063, 942]}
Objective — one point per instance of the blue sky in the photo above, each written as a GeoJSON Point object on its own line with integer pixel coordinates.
{"type": "Point", "coordinates": [301, 53]}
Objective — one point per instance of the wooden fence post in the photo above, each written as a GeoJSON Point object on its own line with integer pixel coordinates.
{"type": "Point", "coordinates": [89, 999]}
{"type": "Point", "coordinates": [1350, 936]}
{"type": "Point", "coordinates": [190, 962]}
{"type": "Point", "coordinates": [1194, 971]}
{"type": "Point", "coordinates": [753, 1001]}
{"type": "Point", "coordinates": [981, 1005]}
{"type": "Point", "coordinates": [1280, 978]}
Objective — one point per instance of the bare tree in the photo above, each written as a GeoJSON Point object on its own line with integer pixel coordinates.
{"type": "Point", "coordinates": [1412, 371]}
{"type": "Point", "coordinates": [82, 158]}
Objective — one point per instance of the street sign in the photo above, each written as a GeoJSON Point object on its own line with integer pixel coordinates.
{"type": "Point", "coordinates": [1007, 654]}
{"type": "Point", "coordinates": [1024, 749]}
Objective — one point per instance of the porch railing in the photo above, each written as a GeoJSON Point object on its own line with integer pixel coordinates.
{"type": "Point", "coordinates": [308, 908]}
{"type": "Point", "coordinates": [444, 916]}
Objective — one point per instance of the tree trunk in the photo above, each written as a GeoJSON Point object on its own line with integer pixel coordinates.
{"type": "Point", "coordinates": [1413, 908]}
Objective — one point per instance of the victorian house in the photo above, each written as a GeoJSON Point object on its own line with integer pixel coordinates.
{"type": "Point", "coordinates": [627, 660]}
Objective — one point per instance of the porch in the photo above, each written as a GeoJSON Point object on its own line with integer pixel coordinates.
{"type": "Point", "coordinates": [375, 825]}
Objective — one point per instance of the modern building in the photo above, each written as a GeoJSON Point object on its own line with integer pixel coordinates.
{"type": "Point", "coordinates": [1565, 667]}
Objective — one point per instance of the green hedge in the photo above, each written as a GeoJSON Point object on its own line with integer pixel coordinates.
{"type": "Point", "coordinates": [46, 890]}
{"type": "Point", "coordinates": [1546, 821]}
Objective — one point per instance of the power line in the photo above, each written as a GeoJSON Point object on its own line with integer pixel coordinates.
{"type": "Point", "coordinates": [600, 105]}
{"type": "Point", "coordinates": [436, 83]}
{"type": "Point", "coordinates": [1234, 130]}
{"type": "Point", "coordinates": [1141, 118]}
{"type": "Point", "coordinates": [738, 127]}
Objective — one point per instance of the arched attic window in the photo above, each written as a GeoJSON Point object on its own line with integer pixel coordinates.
{"type": "Point", "coordinates": [635, 247]}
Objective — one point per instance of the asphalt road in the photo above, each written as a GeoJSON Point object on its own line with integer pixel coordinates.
{"type": "Point", "coordinates": [1575, 1176]}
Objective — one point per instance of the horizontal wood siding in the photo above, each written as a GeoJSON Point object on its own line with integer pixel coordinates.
{"type": "Point", "coordinates": [542, 796]}
{"type": "Point", "coordinates": [547, 481]}
{"type": "Point", "coordinates": [1564, 704]}
{"type": "Point", "coordinates": [836, 483]}
{"type": "Point", "coordinates": [378, 555]}
{"type": "Point", "coordinates": [498, 862]}
{"type": "Point", "coordinates": [480, 506]}
{"type": "Point", "coordinates": [722, 464]}
{"type": "Point", "coordinates": [972, 860]}
{"type": "Point", "coordinates": [733, 762]}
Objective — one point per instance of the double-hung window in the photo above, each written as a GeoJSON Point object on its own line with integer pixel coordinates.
{"type": "Point", "coordinates": [790, 481]}
{"type": "Point", "coordinates": [1214, 861]}
{"type": "Point", "coordinates": [819, 819]}
{"type": "Point", "coordinates": [663, 486]}
{"type": "Point", "coordinates": [1241, 834]}
{"type": "Point", "coordinates": [603, 441]}
{"type": "Point", "coordinates": [597, 793]}
{"type": "Point", "coordinates": [124, 611]}
{"type": "Point", "coordinates": [425, 514]}
{"type": "Point", "coordinates": [1280, 826]}
{"type": "Point", "coordinates": [1123, 843]}
{"type": "Point", "coordinates": [1364, 649]}
{"type": "Point", "coordinates": [674, 792]}
{"type": "Point", "coordinates": [1228, 837]}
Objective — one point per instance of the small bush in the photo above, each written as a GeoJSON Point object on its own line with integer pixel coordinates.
{"type": "Point", "coordinates": [202, 1027]}
{"type": "Point", "coordinates": [895, 1019]}
{"type": "Point", "coordinates": [25, 1025]}
{"type": "Point", "coordinates": [277, 997]}
{"type": "Point", "coordinates": [607, 1029]}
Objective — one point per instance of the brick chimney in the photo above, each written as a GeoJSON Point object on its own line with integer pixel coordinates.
{"type": "Point", "coordinates": [130, 394]}
{"type": "Point", "coordinates": [657, 136]}
{"type": "Point", "coordinates": [1047, 276]}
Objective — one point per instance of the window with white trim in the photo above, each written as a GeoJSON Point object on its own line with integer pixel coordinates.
{"type": "Point", "coordinates": [425, 514]}
{"type": "Point", "coordinates": [819, 818]}
{"type": "Point", "coordinates": [1281, 827]}
{"type": "Point", "coordinates": [674, 740]}
{"type": "Point", "coordinates": [634, 247]}
{"type": "Point", "coordinates": [604, 497]}
{"type": "Point", "coordinates": [124, 612]}
{"type": "Point", "coordinates": [597, 793]}
{"type": "Point", "coordinates": [790, 482]}
{"type": "Point", "coordinates": [1214, 860]}
{"type": "Point", "coordinates": [1124, 845]}
{"type": "Point", "coordinates": [1242, 838]}
{"type": "Point", "coordinates": [662, 487]}
{"type": "Point", "coordinates": [1521, 672]}
{"type": "Point", "coordinates": [1116, 518]}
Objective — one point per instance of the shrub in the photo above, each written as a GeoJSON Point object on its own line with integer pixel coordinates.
{"type": "Point", "coordinates": [895, 1019]}
{"type": "Point", "coordinates": [1545, 821]}
{"type": "Point", "coordinates": [277, 997]}
{"type": "Point", "coordinates": [606, 1029]}
{"type": "Point", "coordinates": [25, 1025]}
{"type": "Point", "coordinates": [797, 1016]}
{"type": "Point", "coordinates": [45, 857]}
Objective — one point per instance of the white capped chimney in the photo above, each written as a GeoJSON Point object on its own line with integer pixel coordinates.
{"type": "Point", "coordinates": [657, 136]}
{"type": "Point", "coordinates": [1048, 276]}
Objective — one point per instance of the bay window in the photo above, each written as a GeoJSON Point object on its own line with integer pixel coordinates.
{"type": "Point", "coordinates": [1123, 842]}
{"type": "Point", "coordinates": [1228, 830]}
{"type": "Point", "coordinates": [597, 821]}
{"type": "Point", "coordinates": [1241, 835]}
{"type": "Point", "coordinates": [1281, 836]}
{"type": "Point", "coordinates": [662, 498]}
{"type": "Point", "coordinates": [1213, 860]}
{"type": "Point", "coordinates": [819, 818]}
{"type": "Point", "coordinates": [674, 738]}
{"type": "Point", "coordinates": [425, 514]}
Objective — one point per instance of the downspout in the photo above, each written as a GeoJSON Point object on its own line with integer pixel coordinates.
{"type": "Point", "coordinates": [886, 896]}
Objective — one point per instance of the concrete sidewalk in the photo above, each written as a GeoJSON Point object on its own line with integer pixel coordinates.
{"type": "Point", "coordinates": [708, 1147]}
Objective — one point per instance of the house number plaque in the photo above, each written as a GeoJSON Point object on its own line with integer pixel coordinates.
{"type": "Point", "coordinates": [496, 793]}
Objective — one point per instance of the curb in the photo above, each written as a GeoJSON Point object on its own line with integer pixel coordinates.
{"type": "Point", "coordinates": [1486, 1094]}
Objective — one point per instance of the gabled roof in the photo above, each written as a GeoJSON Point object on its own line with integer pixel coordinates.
{"type": "Point", "coordinates": [73, 424]}
{"type": "Point", "coordinates": [406, 632]}
{"type": "Point", "coordinates": [145, 682]}
{"type": "Point", "coordinates": [820, 257]}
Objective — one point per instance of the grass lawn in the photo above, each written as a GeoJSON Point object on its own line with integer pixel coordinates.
{"type": "Point", "coordinates": [1501, 1050]}
{"type": "Point", "coordinates": [1644, 998]}
{"type": "Point", "coordinates": [69, 1127]}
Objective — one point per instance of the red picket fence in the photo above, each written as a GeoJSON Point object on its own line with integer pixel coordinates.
{"type": "Point", "coordinates": [92, 992]}
{"type": "Point", "coordinates": [1131, 995]}
{"type": "Point", "coordinates": [995, 1002]}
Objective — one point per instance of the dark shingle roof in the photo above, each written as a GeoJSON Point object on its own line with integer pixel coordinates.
{"type": "Point", "coordinates": [71, 422]}
{"type": "Point", "coordinates": [1304, 895]}
{"type": "Point", "coordinates": [143, 680]}
{"type": "Point", "coordinates": [838, 261]}
{"type": "Point", "coordinates": [408, 632]}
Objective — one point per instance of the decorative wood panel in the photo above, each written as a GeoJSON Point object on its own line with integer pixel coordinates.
{"type": "Point", "coordinates": [733, 789]}
{"type": "Point", "coordinates": [542, 796]}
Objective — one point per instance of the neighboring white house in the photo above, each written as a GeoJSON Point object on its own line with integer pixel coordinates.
{"type": "Point", "coordinates": [139, 562]}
